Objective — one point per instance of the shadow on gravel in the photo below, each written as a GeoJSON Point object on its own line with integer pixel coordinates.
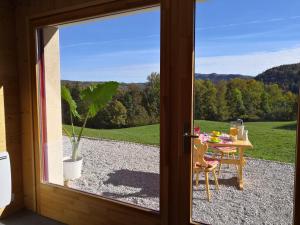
{"type": "Point", "coordinates": [148, 182]}
{"type": "Point", "coordinates": [232, 182]}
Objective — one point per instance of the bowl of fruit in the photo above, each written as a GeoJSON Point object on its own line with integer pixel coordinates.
{"type": "Point", "coordinates": [214, 139]}
{"type": "Point", "coordinates": [216, 133]}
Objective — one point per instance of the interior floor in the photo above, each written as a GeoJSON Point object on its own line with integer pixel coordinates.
{"type": "Point", "coordinates": [28, 218]}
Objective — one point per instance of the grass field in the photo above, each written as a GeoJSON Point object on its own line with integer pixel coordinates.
{"type": "Point", "coordinates": [271, 140]}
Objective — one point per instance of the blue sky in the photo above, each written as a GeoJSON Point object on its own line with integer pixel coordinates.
{"type": "Point", "coordinates": [232, 36]}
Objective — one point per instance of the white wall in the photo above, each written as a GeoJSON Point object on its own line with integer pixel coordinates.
{"type": "Point", "coordinates": [53, 105]}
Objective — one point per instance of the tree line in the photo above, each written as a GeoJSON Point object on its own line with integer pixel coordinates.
{"type": "Point", "coordinates": [250, 100]}
{"type": "Point", "coordinates": [133, 105]}
{"type": "Point", "coordinates": [139, 104]}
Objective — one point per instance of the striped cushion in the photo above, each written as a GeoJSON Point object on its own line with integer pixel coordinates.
{"type": "Point", "coordinates": [211, 162]}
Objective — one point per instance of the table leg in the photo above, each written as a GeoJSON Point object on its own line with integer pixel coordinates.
{"type": "Point", "coordinates": [240, 168]}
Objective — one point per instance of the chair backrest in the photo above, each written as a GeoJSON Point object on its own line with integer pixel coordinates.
{"type": "Point", "coordinates": [199, 151]}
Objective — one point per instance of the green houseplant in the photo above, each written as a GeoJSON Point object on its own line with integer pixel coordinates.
{"type": "Point", "coordinates": [96, 98]}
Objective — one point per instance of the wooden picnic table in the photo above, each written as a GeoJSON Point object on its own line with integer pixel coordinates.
{"type": "Point", "coordinates": [240, 161]}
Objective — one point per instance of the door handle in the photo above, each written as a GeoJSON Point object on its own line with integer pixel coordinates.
{"type": "Point", "coordinates": [187, 137]}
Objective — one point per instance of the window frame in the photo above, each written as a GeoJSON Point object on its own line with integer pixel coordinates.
{"type": "Point", "coordinates": [139, 214]}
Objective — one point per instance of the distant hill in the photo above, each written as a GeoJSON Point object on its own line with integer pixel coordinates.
{"type": "Point", "coordinates": [214, 77]}
{"type": "Point", "coordinates": [286, 76]}
{"type": "Point", "coordinates": [84, 84]}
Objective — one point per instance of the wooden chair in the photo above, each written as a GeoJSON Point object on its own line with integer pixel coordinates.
{"type": "Point", "coordinates": [224, 151]}
{"type": "Point", "coordinates": [201, 163]}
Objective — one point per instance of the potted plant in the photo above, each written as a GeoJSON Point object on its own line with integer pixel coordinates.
{"type": "Point", "coordinates": [96, 98]}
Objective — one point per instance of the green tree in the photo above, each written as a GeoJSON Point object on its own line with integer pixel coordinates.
{"type": "Point", "coordinates": [277, 102]}
{"type": "Point", "coordinates": [210, 98]}
{"type": "Point", "coordinates": [221, 104]}
{"type": "Point", "coordinates": [141, 116]}
{"type": "Point", "coordinates": [236, 104]}
{"type": "Point", "coordinates": [118, 114]}
{"type": "Point", "coordinates": [199, 102]}
{"type": "Point", "coordinates": [265, 108]}
{"type": "Point", "coordinates": [151, 97]}
{"type": "Point", "coordinates": [290, 106]}
{"type": "Point", "coordinates": [114, 115]}
{"type": "Point", "coordinates": [252, 92]}
{"type": "Point", "coordinates": [132, 100]}
{"type": "Point", "coordinates": [238, 83]}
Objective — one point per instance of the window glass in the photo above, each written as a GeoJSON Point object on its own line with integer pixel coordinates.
{"type": "Point", "coordinates": [99, 84]}
{"type": "Point", "coordinates": [246, 89]}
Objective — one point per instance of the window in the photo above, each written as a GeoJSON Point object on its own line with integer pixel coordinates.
{"type": "Point", "coordinates": [103, 75]}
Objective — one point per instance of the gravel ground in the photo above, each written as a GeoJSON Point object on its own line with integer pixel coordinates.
{"type": "Point", "coordinates": [120, 170]}
{"type": "Point", "coordinates": [130, 172]}
{"type": "Point", "coordinates": [267, 197]}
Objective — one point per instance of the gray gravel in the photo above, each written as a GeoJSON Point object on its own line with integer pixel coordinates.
{"type": "Point", "coordinates": [129, 172]}
{"type": "Point", "coordinates": [120, 170]}
{"type": "Point", "coordinates": [267, 197]}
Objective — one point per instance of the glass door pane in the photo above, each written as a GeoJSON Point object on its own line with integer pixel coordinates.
{"type": "Point", "coordinates": [245, 110]}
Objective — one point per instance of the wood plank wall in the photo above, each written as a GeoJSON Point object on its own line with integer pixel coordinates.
{"type": "Point", "coordinates": [10, 130]}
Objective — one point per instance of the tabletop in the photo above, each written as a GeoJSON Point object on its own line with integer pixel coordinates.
{"type": "Point", "coordinates": [225, 141]}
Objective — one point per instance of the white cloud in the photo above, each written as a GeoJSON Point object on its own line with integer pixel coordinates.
{"type": "Point", "coordinates": [248, 64]}
{"type": "Point", "coordinates": [271, 20]}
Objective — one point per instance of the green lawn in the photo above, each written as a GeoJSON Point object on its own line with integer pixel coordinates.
{"type": "Point", "coordinates": [271, 140]}
{"type": "Point", "coordinates": [144, 134]}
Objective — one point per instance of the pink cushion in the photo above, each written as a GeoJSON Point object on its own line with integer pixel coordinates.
{"type": "Point", "coordinates": [211, 162]}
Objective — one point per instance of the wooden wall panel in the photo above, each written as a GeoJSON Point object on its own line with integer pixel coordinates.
{"type": "Point", "coordinates": [10, 124]}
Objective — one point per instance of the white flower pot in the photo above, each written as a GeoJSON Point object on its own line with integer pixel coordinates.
{"type": "Point", "coordinates": [72, 169]}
